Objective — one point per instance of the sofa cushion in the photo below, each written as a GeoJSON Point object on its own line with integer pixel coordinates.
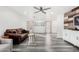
{"type": "Point", "coordinates": [14, 31]}
{"type": "Point", "coordinates": [11, 31]}
{"type": "Point", "coordinates": [19, 31]}
{"type": "Point", "coordinates": [8, 31]}
{"type": "Point", "coordinates": [24, 31]}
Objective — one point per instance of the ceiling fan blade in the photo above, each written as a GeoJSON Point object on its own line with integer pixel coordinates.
{"type": "Point", "coordinates": [36, 8]}
{"type": "Point", "coordinates": [46, 8]}
{"type": "Point", "coordinates": [36, 11]}
{"type": "Point", "coordinates": [43, 12]}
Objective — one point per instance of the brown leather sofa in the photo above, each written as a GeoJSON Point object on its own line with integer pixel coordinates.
{"type": "Point", "coordinates": [18, 35]}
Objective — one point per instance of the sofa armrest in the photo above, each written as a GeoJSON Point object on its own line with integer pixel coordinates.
{"type": "Point", "coordinates": [5, 48]}
{"type": "Point", "coordinates": [6, 41]}
{"type": "Point", "coordinates": [6, 44]}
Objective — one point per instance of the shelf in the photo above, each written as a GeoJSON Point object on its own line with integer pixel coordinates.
{"type": "Point", "coordinates": [67, 13]}
{"type": "Point", "coordinates": [72, 29]}
{"type": "Point", "coordinates": [69, 21]}
{"type": "Point", "coordinates": [75, 8]}
{"type": "Point", "coordinates": [73, 15]}
{"type": "Point", "coordinates": [72, 12]}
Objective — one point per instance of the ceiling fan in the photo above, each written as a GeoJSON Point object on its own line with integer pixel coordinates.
{"type": "Point", "coordinates": [41, 9]}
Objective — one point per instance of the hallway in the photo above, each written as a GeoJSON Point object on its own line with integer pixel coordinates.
{"type": "Point", "coordinates": [40, 45]}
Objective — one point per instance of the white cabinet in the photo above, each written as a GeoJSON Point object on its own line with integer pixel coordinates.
{"type": "Point", "coordinates": [76, 40]}
{"type": "Point", "coordinates": [71, 36]}
{"type": "Point", "coordinates": [67, 35]}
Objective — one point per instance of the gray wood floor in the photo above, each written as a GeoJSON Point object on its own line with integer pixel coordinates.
{"type": "Point", "coordinates": [40, 45]}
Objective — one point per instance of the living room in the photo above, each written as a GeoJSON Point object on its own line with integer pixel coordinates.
{"type": "Point", "coordinates": [41, 23]}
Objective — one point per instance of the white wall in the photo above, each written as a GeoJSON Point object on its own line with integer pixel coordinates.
{"type": "Point", "coordinates": [9, 19]}
{"type": "Point", "coordinates": [60, 25]}
{"type": "Point", "coordinates": [54, 27]}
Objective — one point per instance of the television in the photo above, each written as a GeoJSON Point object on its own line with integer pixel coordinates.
{"type": "Point", "coordinates": [76, 22]}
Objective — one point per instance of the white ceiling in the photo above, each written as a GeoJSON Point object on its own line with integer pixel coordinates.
{"type": "Point", "coordinates": [55, 9]}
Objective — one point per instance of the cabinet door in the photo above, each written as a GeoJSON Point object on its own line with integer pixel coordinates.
{"type": "Point", "coordinates": [76, 39]}
{"type": "Point", "coordinates": [73, 37]}
{"type": "Point", "coordinates": [66, 35]}
{"type": "Point", "coordinates": [70, 36]}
